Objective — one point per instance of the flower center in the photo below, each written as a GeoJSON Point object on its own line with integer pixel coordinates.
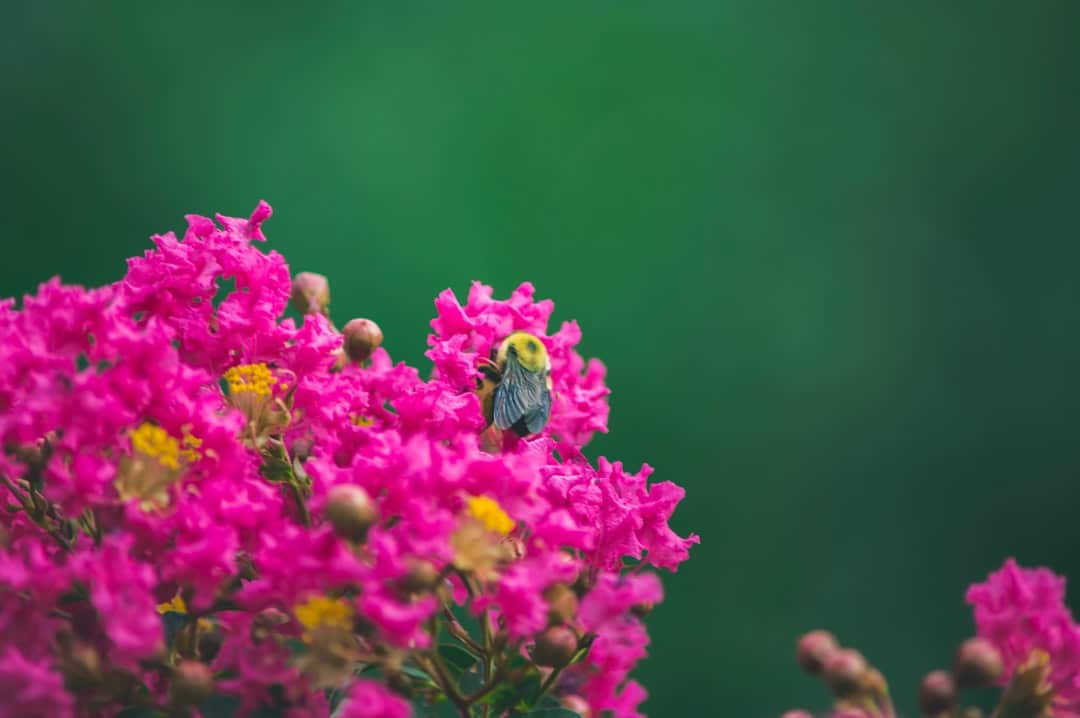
{"type": "Point", "coordinates": [323, 612]}
{"type": "Point", "coordinates": [153, 441]}
{"type": "Point", "coordinates": [251, 379]}
{"type": "Point", "coordinates": [488, 512]}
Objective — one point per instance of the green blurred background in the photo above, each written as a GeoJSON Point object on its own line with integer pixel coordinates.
{"type": "Point", "coordinates": [828, 251]}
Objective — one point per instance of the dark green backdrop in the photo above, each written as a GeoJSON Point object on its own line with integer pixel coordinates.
{"type": "Point", "coordinates": [827, 249]}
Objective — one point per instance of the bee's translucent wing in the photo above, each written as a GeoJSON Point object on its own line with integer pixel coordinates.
{"type": "Point", "coordinates": [538, 417]}
{"type": "Point", "coordinates": [520, 395]}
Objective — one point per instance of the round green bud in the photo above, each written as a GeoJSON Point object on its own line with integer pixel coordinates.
{"type": "Point", "coordinates": [555, 647]}
{"type": "Point", "coordinates": [813, 649]}
{"type": "Point", "coordinates": [978, 663]}
{"type": "Point", "coordinates": [192, 683]}
{"type": "Point", "coordinates": [362, 337]}
{"type": "Point", "coordinates": [310, 293]}
{"type": "Point", "coordinates": [350, 511]}
{"type": "Point", "coordinates": [844, 671]}
{"type": "Point", "coordinates": [937, 693]}
{"type": "Point", "coordinates": [562, 603]}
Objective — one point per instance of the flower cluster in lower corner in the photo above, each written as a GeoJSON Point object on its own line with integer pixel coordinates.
{"type": "Point", "coordinates": [1026, 642]}
{"type": "Point", "coordinates": [212, 507]}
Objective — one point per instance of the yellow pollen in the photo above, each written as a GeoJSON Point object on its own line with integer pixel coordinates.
{"type": "Point", "coordinates": [153, 441]}
{"type": "Point", "coordinates": [251, 379]}
{"type": "Point", "coordinates": [174, 605]}
{"type": "Point", "coordinates": [363, 420]}
{"type": "Point", "coordinates": [190, 447]}
{"type": "Point", "coordinates": [320, 612]}
{"type": "Point", "coordinates": [488, 512]}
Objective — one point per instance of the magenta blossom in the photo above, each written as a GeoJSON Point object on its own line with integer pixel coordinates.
{"type": "Point", "coordinates": [175, 457]}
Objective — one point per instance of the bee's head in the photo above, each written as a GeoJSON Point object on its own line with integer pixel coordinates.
{"type": "Point", "coordinates": [527, 350]}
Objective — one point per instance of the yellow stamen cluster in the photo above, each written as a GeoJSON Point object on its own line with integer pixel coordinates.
{"type": "Point", "coordinates": [359, 420]}
{"type": "Point", "coordinates": [190, 447]}
{"type": "Point", "coordinates": [323, 612]}
{"type": "Point", "coordinates": [488, 512]}
{"type": "Point", "coordinates": [251, 379]}
{"type": "Point", "coordinates": [174, 605]}
{"type": "Point", "coordinates": [153, 441]}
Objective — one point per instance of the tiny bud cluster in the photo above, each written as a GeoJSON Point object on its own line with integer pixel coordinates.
{"type": "Point", "coordinates": [1027, 643]}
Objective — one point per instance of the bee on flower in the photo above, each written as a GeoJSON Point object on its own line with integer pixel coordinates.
{"type": "Point", "coordinates": [516, 387]}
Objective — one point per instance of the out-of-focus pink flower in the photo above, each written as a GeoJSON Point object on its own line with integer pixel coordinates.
{"type": "Point", "coordinates": [1023, 610]}
{"type": "Point", "coordinates": [369, 699]}
{"type": "Point", "coordinates": [31, 689]}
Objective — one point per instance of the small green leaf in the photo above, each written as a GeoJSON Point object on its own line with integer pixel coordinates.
{"type": "Point", "coordinates": [140, 712]}
{"type": "Point", "coordinates": [552, 713]}
{"type": "Point", "coordinates": [471, 680]}
{"type": "Point", "coordinates": [456, 657]}
{"type": "Point", "coordinates": [276, 469]}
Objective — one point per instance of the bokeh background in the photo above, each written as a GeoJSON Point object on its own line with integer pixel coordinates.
{"type": "Point", "coordinates": [828, 251]}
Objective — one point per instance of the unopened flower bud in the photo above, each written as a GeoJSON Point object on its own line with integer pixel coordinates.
{"type": "Point", "coordinates": [422, 577]}
{"type": "Point", "coordinates": [265, 623]}
{"type": "Point", "coordinates": [310, 293]}
{"type": "Point", "coordinates": [844, 670]}
{"type": "Point", "coordinates": [937, 693]}
{"type": "Point", "coordinates": [978, 663]}
{"type": "Point", "coordinates": [350, 511]}
{"type": "Point", "coordinates": [813, 649]}
{"type": "Point", "coordinates": [578, 705]}
{"type": "Point", "coordinates": [562, 603]}
{"type": "Point", "coordinates": [362, 337]}
{"type": "Point", "coordinates": [192, 683]}
{"type": "Point", "coordinates": [555, 647]}
{"type": "Point", "coordinates": [81, 666]}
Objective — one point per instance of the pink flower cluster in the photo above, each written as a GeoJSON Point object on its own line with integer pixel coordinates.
{"type": "Point", "coordinates": [1022, 611]}
{"type": "Point", "coordinates": [1027, 642]}
{"type": "Point", "coordinates": [173, 446]}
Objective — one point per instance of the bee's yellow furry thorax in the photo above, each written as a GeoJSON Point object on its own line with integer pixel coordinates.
{"type": "Point", "coordinates": [528, 349]}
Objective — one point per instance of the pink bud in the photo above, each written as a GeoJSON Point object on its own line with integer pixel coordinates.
{"type": "Point", "coordinates": [362, 337]}
{"type": "Point", "coordinates": [844, 671]}
{"type": "Point", "coordinates": [937, 693]}
{"type": "Point", "coordinates": [978, 663]}
{"type": "Point", "coordinates": [813, 649]}
{"type": "Point", "coordinates": [310, 293]}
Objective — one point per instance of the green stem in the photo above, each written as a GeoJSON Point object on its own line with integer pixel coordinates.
{"type": "Point", "coordinates": [36, 514]}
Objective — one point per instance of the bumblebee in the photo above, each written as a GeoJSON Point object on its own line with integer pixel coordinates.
{"type": "Point", "coordinates": [516, 387]}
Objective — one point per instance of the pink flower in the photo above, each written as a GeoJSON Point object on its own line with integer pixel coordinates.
{"type": "Point", "coordinates": [1022, 610]}
{"type": "Point", "coordinates": [31, 689]}
{"type": "Point", "coordinates": [368, 699]}
{"type": "Point", "coordinates": [178, 439]}
{"type": "Point", "coordinates": [121, 591]}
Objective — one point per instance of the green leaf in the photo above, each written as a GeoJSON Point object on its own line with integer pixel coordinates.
{"type": "Point", "coordinates": [276, 469]}
{"type": "Point", "coordinates": [552, 713]}
{"type": "Point", "coordinates": [471, 680]}
{"type": "Point", "coordinates": [517, 695]}
{"type": "Point", "coordinates": [139, 712]}
{"type": "Point", "coordinates": [440, 709]}
{"type": "Point", "coordinates": [219, 706]}
{"type": "Point", "coordinates": [456, 657]}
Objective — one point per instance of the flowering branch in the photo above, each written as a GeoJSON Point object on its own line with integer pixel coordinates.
{"type": "Point", "coordinates": [284, 519]}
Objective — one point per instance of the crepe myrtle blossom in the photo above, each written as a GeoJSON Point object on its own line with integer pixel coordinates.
{"type": "Point", "coordinates": [1026, 642]}
{"type": "Point", "coordinates": [213, 509]}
